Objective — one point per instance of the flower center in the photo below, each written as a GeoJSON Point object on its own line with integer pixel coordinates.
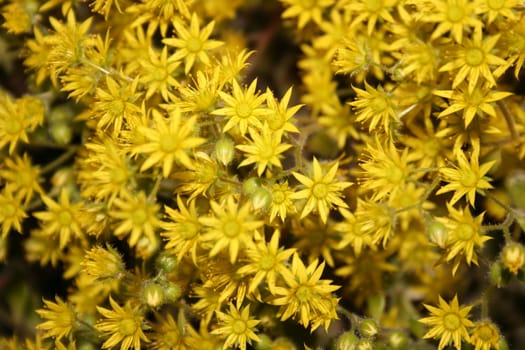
{"type": "Point", "coordinates": [468, 179]}
{"type": "Point", "coordinates": [476, 98]}
{"type": "Point", "coordinates": [118, 176]}
{"type": "Point", "coordinates": [189, 230]}
{"type": "Point", "coordinates": [171, 338]}
{"type": "Point", "coordinates": [127, 327]}
{"type": "Point", "coordinates": [465, 232]}
{"type": "Point", "coordinates": [13, 126]}
{"type": "Point", "coordinates": [451, 322]}
{"type": "Point", "coordinates": [8, 210]}
{"type": "Point", "coordinates": [267, 262]}
{"type": "Point", "coordinates": [485, 333]}
{"type": "Point", "coordinates": [194, 45]}
{"type": "Point", "coordinates": [455, 13]}
{"type": "Point", "coordinates": [239, 327]}
{"type": "Point", "coordinates": [243, 110]}
{"type": "Point", "coordinates": [64, 218]}
{"type": "Point", "coordinates": [395, 176]}
{"type": "Point", "coordinates": [168, 144]}
{"type": "Point", "coordinates": [231, 228]}
{"type": "Point", "coordinates": [431, 148]}
{"type": "Point", "coordinates": [303, 294]}
{"type": "Point", "coordinates": [379, 104]}
{"type": "Point", "coordinates": [139, 216]}
{"type": "Point", "coordinates": [474, 56]}
{"type": "Point", "coordinates": [496, 5]}
{"type": "Point", "coordinates": [320, 190]}
{"type": "Point", "coordinates": [275, 121]}
{"type": "Point", "coordinates": [159, 74]}
{"type": "Point", "coordinates": [278, 197]}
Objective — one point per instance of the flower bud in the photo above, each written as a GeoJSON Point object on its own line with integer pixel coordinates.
{"type": "Point", "coordinates": [261, 198]}
{"type": "Point", "coordinates": [398, 340]}
{"type": "Point", "coordinates": [498, 275]}
{"type": "Point", "coordinates": [364, 344]}
{"type": "Point", "coordinates": [513, 257]}
{"type": "Point", "coordinates": [251, 185]}
{"type": "Point", "coordinates": [61, 133]}
{"type": "Point", "coordinates": [346, 341]}
{"type": "Point", "coordinates": [368, 328]}
{"type": "Point", "coordinates": [153, 295]}
{"type": "Point", "coordinates": [515, 184]}
{"type": "Point", "coordinates": [225, 150]}
{"type": "Point", "coordinates": [437, 233]}
{"type": "Point", "coordinates": [172, 292]}
{"type": "Point", "coordinates": [166, 263]}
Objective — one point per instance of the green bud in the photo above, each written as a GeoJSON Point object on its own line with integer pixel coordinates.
{"type": "Point", "coordinates": [225, 150]}
{"type": "Point", "coordinates": [346, 341]}
{"type": "Point", "coordinates": [503, 345]}
{"type": "Point", "coordinates": [166, 263]}
{"type": "Point", "coordinates": [368, 328]}
{"type": "Point", "coordinates": [398, 340]}
{"type": "Point", "coordinates": [172, 292]}
{"type": "Point", "coordinates": [153, 295]}
{"type": "Point", "coordinates": [261, 198]}
{"type": "Point", "coordinates": [364, 344]}
{"type": "Point", "coordinates": [498, 276]}
{"type": "Point", "coordinates": [251, 185]}
{"type": "Point", "coordinates": [437, 233]}
{"type": "Point", "coordinates": [264, 343]}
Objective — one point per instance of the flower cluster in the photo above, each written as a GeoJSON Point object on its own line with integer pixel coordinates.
{"type": "Point", "coordinates": [157, 159]}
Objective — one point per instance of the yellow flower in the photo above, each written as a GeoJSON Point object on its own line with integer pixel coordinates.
{"type": "Point", "coordinates": [474, 60]}
{"type": "Point", "coordinates": [122, 325]}
{"type": "Point", "coordinates": [501, 9]}
{"type": "Point", "coordinates": [281, 202]}
{"type": "Point", "coordinates": [229, 227]}
{"type": "Point", "coordinates": [477, 102]}
{"type": "Point", "coordinates": [157, 73]}
{"type": "Point", "coordinates": [60, 319]}
{"type": "Point", "coordinates": [62, 219]}
{"type": "Point", "coordinates": [200, 96]}
{"type": "Point", "coordinates": [264, 149]}
{"type": "Point", "coordinates": [168, 141]}
{"type": "Point", "coordinates": [267, 261]}
{"type": "Point", "coordinates": [279, 118]}
{"type": "Point", "coordinates": [371, 12]}
{"type": "Point", "coordinates": [485, 336]}
{"type": "Point", "coordinates": [192, 42]}
{"type": "Point", "coordinates": [322, 190]}
{"type": "Point", "coordinates": [136, 215]}
{"type": "Point", "coordinates": [171, 335]}
{"type": "Point", "coordinates": [200, 178]}
{"type": "Point", "coordinates": [385, 170]}
{"type": "Point", "coordinates": [12, 210]}
{"type": "Point", "coordinates": [237, 327]}
{"type": "Point", "coordinates": [115, 105]}
{"type": "Point", "coordinates": [464, 235]}
{"type": "Point", "coordinates": [243, 107]}
{"type": "Point", "coordinates": [466, 178]}
{"type": "Point", "coordinates": [306, 296]}
{"type": "Point", "coordinates": [182, 229]}
{"type": "Point", "coordinates": [353, 233]}
{"type": "Point", "coordinates": [449, 323]}
{"type": "Point", "coordinates": [375, 107]}
{"type": "Point", "coordinates": [103, 264]}
{"type": "Point", "coordinates": [305, 10]}
{"type": "Point", "coordinates": [454, 16]}
{"type": "Point", "coordinates": [104, 170]}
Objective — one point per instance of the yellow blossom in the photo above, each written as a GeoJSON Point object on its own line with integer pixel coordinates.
{"type": "Point", "coordinates": [449, 322]}
{"type": "Point", "coordinates": [322, 191]}
{"type": "Point", "coordinates": [237, 327]}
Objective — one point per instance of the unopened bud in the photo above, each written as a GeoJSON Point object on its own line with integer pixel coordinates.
{"type": "Point", "coordinates": [347, 341]}
{"type": "Point", "coordinates": [437, 233]}
{"type": "Point", "coordinates": [513, 257]}
{"type": "Point", "coordinates": [364, 344]}
{"type": "Point", "coordinates": [251, 185]}
{"type": "Point", "coordinates": [368, 328]}
{"type": "Point", "coordinates": [166, 263]}
{"type": "Point", "coordinates": [398, 340]}
{"type": "Point", "coordinates": [153, 295]}
{"type": "Point", "coordinates": [172, 292]}
{"type": "Point", "coordinates": [261, 198]}
{"type": "Point", "coordinates": [224, 150]}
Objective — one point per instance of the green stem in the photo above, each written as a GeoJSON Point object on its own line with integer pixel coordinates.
{"type": "Point", "coordinates": [59, 161]}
